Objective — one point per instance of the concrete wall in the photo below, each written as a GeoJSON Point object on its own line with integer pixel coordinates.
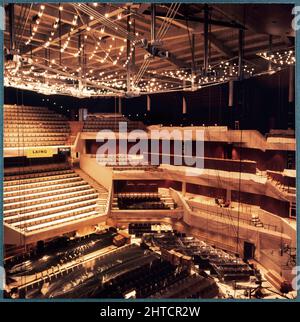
{"type": "Point", "coordinates": [101, 174]}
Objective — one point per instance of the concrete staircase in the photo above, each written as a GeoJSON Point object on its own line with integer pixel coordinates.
{"type": "Point", "coordinates": [166, 198]}
{"type": "Point", "coordinates": [102, 201]}
{"type": "Point", "coordinates": [255, 221]}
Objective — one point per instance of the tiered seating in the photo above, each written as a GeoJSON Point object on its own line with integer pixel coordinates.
{"type": "Point", "coordinates": [57, 251]}
{"type": "Point", "coordinates": [142, 201]}
{"type": "Point", "coordinates": [281, 133]}
{"type": "Point", "coordinates": [255, 221]}
{"type": "Point", "coordinates": [226, 266]}
{"type": "Point", "coordinates": [27, 126]}
{"type": "Point", "coordinates": [125, 162]}
{"type": "Point", "coordinates": [111, 160]}
{"type": "Point", "coordinates": [139, 229]}
{"type": "Point", "coordinates": [282, 180]}
{"type": "Point", "coordinates": [95, 123]}
{"type": "Point", "coordinates": [42, 200]}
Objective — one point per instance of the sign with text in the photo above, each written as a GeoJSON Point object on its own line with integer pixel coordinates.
{"type": "Point", "coordinates": [41, 152]}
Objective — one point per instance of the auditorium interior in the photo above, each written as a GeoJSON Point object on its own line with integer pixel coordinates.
{"type": "Point", "coordinates": [149, 151]}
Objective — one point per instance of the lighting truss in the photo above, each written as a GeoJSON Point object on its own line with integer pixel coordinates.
{"type": "Point", "coordinates": [281, 57]}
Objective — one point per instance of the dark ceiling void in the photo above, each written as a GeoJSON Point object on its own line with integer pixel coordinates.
{"type": "Point", "coordinates": [259, 103]}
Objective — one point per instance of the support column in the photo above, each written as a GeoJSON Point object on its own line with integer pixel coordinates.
{"type": "Point", "coordinates": [291, 84]}
{"type": "Point", "coordinates": [270, 49]}
{"type": "Point", "coordinates": [120, 105]}
{"type": "Point", "coordinates": [183, 105]}
{"type": "Point", "coordinates": [228, 195]}
{"type": "Point", "coordinates": [82, 113]}
{"type": "Point", "coordinates": [183, 189]}
{"type": "Point", "coordinates": [257, 254]}
{"type": "Point", "coordinates": [230, 110]}
{"type": "Point", "coordinates": [230, 91]}
{"type": "Point", "coordinates": [84, 147]}
{"type": "Point", "coordinates": [148, 103]}
{"type": "Point", "coordinates": [241, 53]}
{"type": "Point", "coordinates": [193, 63]}
{"type": "Point", "coordinates": [291, 113]}
{"type": "Point", "coordinates": [193, 54]}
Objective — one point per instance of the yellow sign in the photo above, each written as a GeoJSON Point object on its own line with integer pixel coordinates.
{"type": "Point", "coordinates": [41, 152]}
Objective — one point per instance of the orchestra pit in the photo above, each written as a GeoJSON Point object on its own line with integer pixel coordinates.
{"type": "Point", "coordinates": [149, 151]}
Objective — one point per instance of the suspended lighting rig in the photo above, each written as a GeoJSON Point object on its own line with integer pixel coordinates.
{"type": "Point", "coordinates": [95, 49]}
{"type": "Point", "coordinates": [279, 57]}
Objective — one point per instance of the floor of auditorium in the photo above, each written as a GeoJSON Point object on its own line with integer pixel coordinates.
{"type": "Point", "coordinates": [72, 268]}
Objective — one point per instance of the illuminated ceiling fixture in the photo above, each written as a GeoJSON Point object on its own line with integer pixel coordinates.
{"type": "Point", "coordinates": [280, 57]}
{"type": "Point", "coordinates": [35, 25]}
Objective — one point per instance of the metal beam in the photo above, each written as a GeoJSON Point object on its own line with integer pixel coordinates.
{"type": "Point", "coordinates": [167, 55]}
{"type": "Point", "coordinates": [241, 53]}
{"type": "Point", "coordinates": [66, 32]}
{"type": "Point", "coordinates": [205, 35]}
{"type": "Point", "coordinates": [11, 13]}
{"type": "Point", "coordinates": [128, 53]}
{"type": "Point", "coordinates": [88, 82]}
{"type": "Point", "coordinates": [153, 23]}
{"type": "Point", "coordinates": [193, 53]}
{"type": "Point", "coordinates": [217, 44]}
{"type": "Point", "coordinates": [270, 49]}
{"type": "Point", "coordinates": [213, 22]}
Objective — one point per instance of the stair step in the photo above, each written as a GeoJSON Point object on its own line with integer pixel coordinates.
{"type": "Point", "coordinates": [61, 221]}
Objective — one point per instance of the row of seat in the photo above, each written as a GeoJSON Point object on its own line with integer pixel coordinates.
{"type": "Point", "coordinates": [104, 117]}
{"type": "Point", "coordinates": [143, 201]}
{"type": "Point", "coordinates": [26, 113]}
{"type": "Point", "coordinates": [110, 122]}
{"type": "Point", "coordinates": [94, 124]}
{"type": "Point", "coordinates": [43, 185]}
{"type": "Point", "coordinates": [31, 131]}
{"type": "Point", "coordinates": [38, 178]}
{"type": "Point", "coordinates": [23, 118]}
{"type": "Point", "coordinates": [35, 122]}
{"type": "Point", "coordinates": [114, 128]}
{"type": "Point", "coordinates": [34, 134]}
{"type": "Point", "coordinates": [9, 107]}
{"type": "Point", "coordinates": [136, 168]}
{"type": "Point", "coordinates": [137, 195]}
{"type": "Point", "coordinates": [27, 174]}
{"type": "Point", "coordinates": [42, 200]}
{"type": "Point", "coordinates": [30, 170]}
{"type": "Point", "coordinates": [30, 126]}
{"type": "Point", "coordinates": [37, 143]}
{"type": "Point", "coordinates": [56, 187]}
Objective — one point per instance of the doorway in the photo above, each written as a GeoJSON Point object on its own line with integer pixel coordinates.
{"type": "Point", "coordinates": [249, 250]}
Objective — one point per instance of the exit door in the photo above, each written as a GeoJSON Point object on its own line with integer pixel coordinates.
{"type": "Point", "coordinates": [249, 250]}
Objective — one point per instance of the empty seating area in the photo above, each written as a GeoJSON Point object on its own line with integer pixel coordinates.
{"type": "Point", "coordinates": [125, 162]}
{"type": "Point", "coordinates": [42, 200]}
{"type": "Point", "coordinates": [127, 272]}
{"type": "Point", "coordinates": [285, 181]}
{"type": "Point", "coordinates": [95, 123]}
{"type": "Point", "coordinates": [58, 251]}
{"type": "Point", "coordinates": [146, 201]}
{"type": "Point", "coordinates": [28, 126]}
{"type": "Point", "coordinates": [281, 133]}
{"type": "Point", "coordinates": [111, 160]}
{"type": "Point", "coordinates": [224, 265]}
{"type": "Point", "coordinates": [192, 286]}
{"type": "Point", "coordinates": [138, 229]}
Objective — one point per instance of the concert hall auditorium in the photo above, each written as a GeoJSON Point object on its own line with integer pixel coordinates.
{"type": "Point", "coordinates": [149, 151]}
